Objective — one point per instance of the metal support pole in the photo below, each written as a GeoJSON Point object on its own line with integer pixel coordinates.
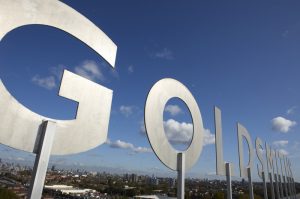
{"type": "Point", "coordinates": [271, 186]}
{"type": "Point", "coordinates": [289, 186]}
{"type": "Point", "coordinates": [251, 194]}
{"type": "Point", "coordinates": [285, 187]}
{"type": "Point", "coordinates": [276, 186]}
{"type": "Point", "coordinates": [42, 159]}
{"type": "Point", "coordinates": [228, 178]}
{"type": "Point", "coordinates": [294, 186]}
{"type": "Point", "coordinates": [280, 186]}
{"type": "Point", "coordinates": [265, 185]}
{"type": "Point", "coordinates": [180, 175]}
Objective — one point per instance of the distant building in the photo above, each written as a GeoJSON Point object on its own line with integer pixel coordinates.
{"type": "Point", "coordinates": [134, 178]}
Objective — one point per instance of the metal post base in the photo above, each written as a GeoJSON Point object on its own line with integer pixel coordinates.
{"type": "Point", "coordinates": [42, 159]}
{"type": "Point", "coordinates": [251, 194]}
{"type": "Point", "coordinates": [181, 175]}
{"type": "Point", "coordinates": [228, 178]}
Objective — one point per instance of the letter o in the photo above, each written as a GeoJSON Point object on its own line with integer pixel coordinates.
{"type": "Point", "coordinates": [157, 99]}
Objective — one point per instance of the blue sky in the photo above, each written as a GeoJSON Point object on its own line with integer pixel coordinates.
{"type": "Point", "coordinates": [240, 56]}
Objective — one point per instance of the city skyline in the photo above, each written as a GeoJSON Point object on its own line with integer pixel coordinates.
{"type": "Point", "coordinates": [239, 57]}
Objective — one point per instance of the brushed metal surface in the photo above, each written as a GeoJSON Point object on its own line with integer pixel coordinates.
{"type": "Point", "coordinates": [160, 93]}
{"type": "Point", "coordinates": [54, 13]}
{"type": "Point", "coordinates": [243, 133]}
{"type": "Point", "coordinates": [19, 125]}
{"type": "Point", "coordinates": [259, 147]}
{"type": "Point", "coordinates": [220, 164]}
{"type": "Point", "coordinates": [48, 130]}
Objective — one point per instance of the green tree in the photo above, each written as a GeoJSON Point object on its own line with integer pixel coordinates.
{"type": "Point", "coordinates": [7, 194]}
{"type": "Point", "coordinates": [219, 195]}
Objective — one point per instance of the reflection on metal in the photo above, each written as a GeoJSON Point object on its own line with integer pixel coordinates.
{"type": "Point", "coordinates": [158, 96]}
{"type": "Point", "coordinates": [18, 125]}
{"type": "Point", "coordinates": [157, 99]}
{"type": "Point", "coordinates": [220, 164]}
{"type": "Point", "coordinates": [56, 14]}
{"type": "Point", "coordinates": [20, 128]}
{"type": "Point", "coordinates": [242, 132]}
{"type": "Point", "coordinates": [251, 194]}
{"type": "Point", "coordinates": [48, 129]}
{"type": "Point", "coordinates": [222, 168]}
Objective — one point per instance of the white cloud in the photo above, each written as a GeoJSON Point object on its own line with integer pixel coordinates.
{"type": "Point", "coordinates": [164, 54]}
{"type": "Point", "coordinates": [142, 150]}
{"type": "Point", "coordinates": [181, 133]}
{"type": "Point", "coordinates": [127, 110]}
{"type": "Point", "coordinates": [45, 82]}
{"type": "Point", "coordinates": [291, 110]}
{"type": "Point", "coordinates": [90, 70]}
{"type": "Point", "coordinates": [280, 143]}
{"type": "Point", "coordinates": [57, 71]}
{"type": "Point", "coordinates": [173, 109]}
{"type": "Point", "coordinates": [283, 152]}
{"type": "Point", "coordinates": [126, 145]}
{"type": "Point", "coordinates": [209, 138]}
{"type": "Point", "coordinates": [121, 144]}
{"type": "Point", "coordinates": [178, 133]}
{"type": "Point", "coordinates": [130, 69]}
{"type": "Point", "coordinates": [282, 125]}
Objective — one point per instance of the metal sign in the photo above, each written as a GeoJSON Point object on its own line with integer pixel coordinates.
{"type": "Point", "coordinates": [23, 129]}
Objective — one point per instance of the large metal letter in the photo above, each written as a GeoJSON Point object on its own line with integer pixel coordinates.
{"type": "Point", "coordinates": [222, 168]}
{"type": "Point", "coordinates": [20, 127]}
{"type": "Point", "coordinates": [245, 171]}
{"type": "Point", "coordinates": [158, 96]}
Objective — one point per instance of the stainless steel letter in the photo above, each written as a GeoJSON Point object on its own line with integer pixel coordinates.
{"type": "Point", "coordinates": [158, 96]}
{"type": "Point", "coordinates": [242, 132]}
